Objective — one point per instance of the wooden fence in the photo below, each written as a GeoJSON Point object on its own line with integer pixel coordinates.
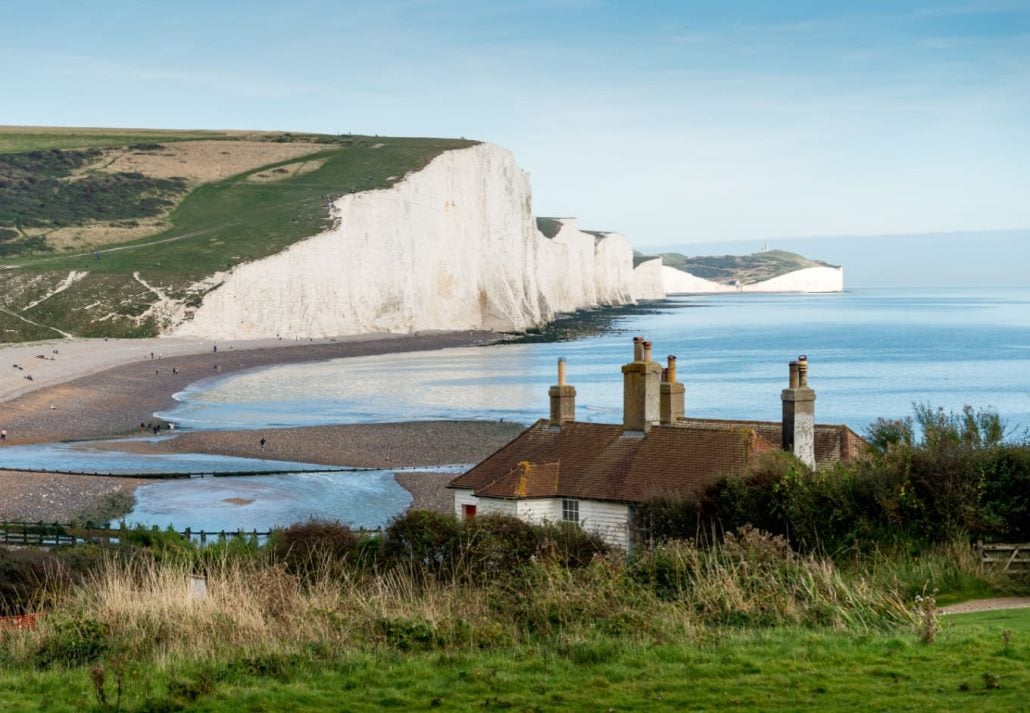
{"type": "Point", "coordinates": [1012, 558]}
{"type": "Point", "coordinates": [41, 534]}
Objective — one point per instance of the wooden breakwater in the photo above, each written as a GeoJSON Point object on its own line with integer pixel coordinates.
{"type": "Point", "coordinates": [195, 473]}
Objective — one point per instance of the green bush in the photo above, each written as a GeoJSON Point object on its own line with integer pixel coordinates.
{"type": "Point", "coordinates": [493, 546]}
{"type": "Point", "coordinates": [29, 580]}
{"type": "Point", "coordinates": [956, 479]}
{"type": "Point", "coordinates": [72, 641]}
{"type": "Point", "coordinates": [309, 548]}
{"type": "Point", "coordinates": [422, 541]}
{"type": "Point", "coordinates": [569, 545]}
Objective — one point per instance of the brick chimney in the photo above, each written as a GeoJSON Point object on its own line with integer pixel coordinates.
{"type": "Point", "coordinates": [671, 395]}
{"type": "Point", "coordinates": [799, 414]}
{"type": "Point", "coordinates": [640, 379]}
{"type": "Point", "coordinates": [563, 398]}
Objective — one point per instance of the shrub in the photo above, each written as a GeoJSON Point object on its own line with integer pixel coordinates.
{"type": "Point", "coordinates": [957, 479]}
{"type": "Point", "coordinates": [73, 640]}
{"type": "Point", "coordinates": [493, 546]}
{"type": "Point", "coordinates": [569, 545]}
{"type": "Point", "coordinates": [422, 541]}
{"type": "Point", "coordinates": [308, 548]}
{"type": "Point", "coordinates": [29, 580]}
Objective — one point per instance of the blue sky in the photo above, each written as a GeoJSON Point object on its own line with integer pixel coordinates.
{"type": "Point", "coordinates": [672, 122]}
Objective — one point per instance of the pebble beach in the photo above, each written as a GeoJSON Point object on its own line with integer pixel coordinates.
{"type": "Point", "coordinates": [108, 388]}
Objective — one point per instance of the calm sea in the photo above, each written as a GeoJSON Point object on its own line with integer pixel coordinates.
{"type": "Point", "coordinates": [872, 353]}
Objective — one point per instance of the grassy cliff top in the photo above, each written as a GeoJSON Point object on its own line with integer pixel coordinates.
{"type": "Point", "coordinates": [742, 269]}
{"type": "Point", "coordinates": [166, 209]}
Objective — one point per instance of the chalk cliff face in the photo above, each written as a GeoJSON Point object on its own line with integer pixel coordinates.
{"type": "Point", "coordinates": [453, 246]}
{"type": "Point", "coordinates": [647, 280]}
{"type": "Point", "coordinates": [680, 282]}
{"type": "Point", "coordinates": [809, 279]}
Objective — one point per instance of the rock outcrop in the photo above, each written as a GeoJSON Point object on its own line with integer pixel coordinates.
{"type": "Point", "coordinates": [451, 247]}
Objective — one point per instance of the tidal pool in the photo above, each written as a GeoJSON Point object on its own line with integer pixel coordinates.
{"type": "Point", "coordinates": [365, 499]}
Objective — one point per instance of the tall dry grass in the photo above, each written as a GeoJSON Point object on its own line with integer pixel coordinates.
{"type": "Point", "coordinates": [146, 609]}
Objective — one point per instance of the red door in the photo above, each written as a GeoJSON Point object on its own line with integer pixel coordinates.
{"type": "Point", "coordinates": [468, 512]}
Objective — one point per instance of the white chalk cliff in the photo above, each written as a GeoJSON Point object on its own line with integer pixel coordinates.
{"type": "Point", "coordinates": [453, 246]}
{"type": "Point", "coordinates": [809, 279]}
{"type": "Point", "coordinates": [648, 282]}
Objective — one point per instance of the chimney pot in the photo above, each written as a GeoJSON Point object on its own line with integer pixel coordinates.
{"type": "Point", "coordinates": [638, 348]}
{"type": "Point", "coordinates": [671, 370]}
{"type": "Point", "coordinates": [561, 371]}
{"type": "Point", "coordinates": [803, 371]}
{"type": "Point", "coordinates": [794, 375]}
{"type": "Point", "coordinates": [647, 351]}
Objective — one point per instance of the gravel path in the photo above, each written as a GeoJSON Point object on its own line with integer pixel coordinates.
{"type": "Point", "coordinates": [978, 605]}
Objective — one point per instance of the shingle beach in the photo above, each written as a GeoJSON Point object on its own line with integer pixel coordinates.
{"type": "Point", "coordinates": [101, 389]}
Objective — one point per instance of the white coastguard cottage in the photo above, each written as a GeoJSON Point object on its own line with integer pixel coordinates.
{"type": "Point", "coordinates": [594, 474]}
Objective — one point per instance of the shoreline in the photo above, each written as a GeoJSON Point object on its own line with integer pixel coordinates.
{"type": "Point", "coordinates": [103, 389]}
{"type": "Point", "coordinates": [33, 496]}
{"type": "Point", "coordinates": [94, 398]}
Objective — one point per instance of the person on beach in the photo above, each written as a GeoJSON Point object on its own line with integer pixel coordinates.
{"type": "Point", "coordinates": [3, 434]}
{"type": "Point", "coordinates": [262, 442]}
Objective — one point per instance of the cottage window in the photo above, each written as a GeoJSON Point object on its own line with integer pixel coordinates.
{"type": "Point", "coordinates": [570, 510]}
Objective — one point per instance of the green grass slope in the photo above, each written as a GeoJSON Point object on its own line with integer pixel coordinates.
{"type": "Point", "coordinates": [216, 226]}
{"type": "Point", "coordinates": [743, 269]}
{"type": "Point", "coordinates": [970, 667]}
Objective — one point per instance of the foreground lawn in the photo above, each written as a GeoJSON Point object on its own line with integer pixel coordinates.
{"type": "Point", "coordinates": [970, 667]}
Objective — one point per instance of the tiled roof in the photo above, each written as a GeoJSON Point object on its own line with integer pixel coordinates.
{"type": "Point", "coordinates": [602, 462]}
{"type": "Point", "coordinates": [832, 442]}
{"type": "Point", "coordinates": [525, 480]}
